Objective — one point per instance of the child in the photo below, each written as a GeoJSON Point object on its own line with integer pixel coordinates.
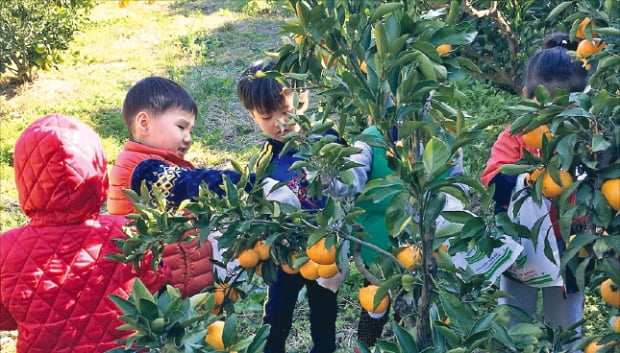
{"type": "Point", "coordinates": [55, 281]}
{"type": "Point", "coordinates": [160, 116]}
{"type": "Point", "coordinates": [553, 68]}
{"type": "Point", "coordinates": [269, 104]}
{"type": "Point", "coordinates": [374, 162]}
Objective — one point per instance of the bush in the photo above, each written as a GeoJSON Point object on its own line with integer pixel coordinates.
{"type": "Point", "coordinates": [33, 33]}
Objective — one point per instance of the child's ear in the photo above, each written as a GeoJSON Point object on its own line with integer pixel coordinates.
{"type": "Point", "coordinates": [142, 123]}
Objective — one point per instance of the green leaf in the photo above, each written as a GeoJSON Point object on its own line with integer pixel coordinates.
{"type": "Point", "coordinates": [557, 10]}
{"type": "Point", "coordinates": [383, 10]}
{"type": "Point", "coordinates": [473, 228]}
{"type": "Point", "coordinates": [599, 143]}
{"type": "Point", "coordinates": [514, 169]}
{"type": "Point", "coordinates": [463, 33]}
{"type": "Point", "coordinates": [565, 148]}
{"type": "Point", "coordinates": [260, 338]}
{"type": "Point", "coordinates": [426, 67]}
{"type": "Point", "coordinates": [435, 156]}
{"type": "Point", "coordinates": [448, 334]}
{"type": "Point", "coordinates": [460, 315]}
{"type": "Point", "coordinates": [148, 309]}
{"type": "Point", "coordinates": [405, 340]}
{"type": "Point", "coordinates": [125, 305]}
{"type": "Point", "coordinates": [141, 292]}
{"type": "Point", "coordinates": [457, 216]}
{"type": "Point", "coordinates": [610, 267]}
{"type": "Point", "coordinates": [381, 40]}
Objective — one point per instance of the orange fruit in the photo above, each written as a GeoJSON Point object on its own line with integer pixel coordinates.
{"type": "Point", "coordinates": [551, 189]}
{"type": "Point", "coordinates": [248, 258]}
{"type": "Point", "coordinates": [363, 67]}
{"type": "Point", "coordinates": [224, 289]}
{"type": "Point", "coordinates": [310, 270]}
{"type": "Point", "coordinates": [289, 269]}
{"type": "Point", "coordinates": [616, 325]}
{"type": "Point", "coordinates": [592, 347]}
{"type": "Point", "coordinates": [214, 334]}
{"type": "Point", "coordinates": [442, 247]}
{"type": "Point", "coordinates": [320, 254]}
{"type": "Point", "coordinates": [610, 293]}
{"type": "Point", "coordinates": [587, 48]}
{"type": "Point", "coordinates": [447, 321]}
{"type": "Point", "coordinates": [327, 271]}
{"type": "Point", "coordinates": [532, 176]}
{"type": "Point", "coordinates": [580, 34]}
{"type": "Point", "coordinates": [443, 50]}
{"type": "Point", "coordinates": [367, 297]}
{"type": "Point", "coordinates": [298, 38]}
{"type": "Point", "coordinates": [262, 249]}
{"type": "Point", "coordinates": [409, 256]}
{"type": "Point", "coordinates": [611, 191]}
{"type": "Point", "coordinates": [534, 138]}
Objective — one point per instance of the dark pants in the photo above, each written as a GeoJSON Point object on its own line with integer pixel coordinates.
{"type": "Point", "coordinates": [280, 305]}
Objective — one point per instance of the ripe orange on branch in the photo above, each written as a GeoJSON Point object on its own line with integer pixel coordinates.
{"type": "Point", "coordinates": [443, 50]}
{"type": "Point", "coordinates": [532, 176]}
{"type": "Point", "coordinates": [262, 249]}
{"type": "Point", "coordinates": [289, 268]}
{"type": "Point", "coordinates": [581, 30]}
{"type": "Point", "coordinates": [534, 138]}
{"type": "Point", "coordinates": [320, 254]}
{"type": "Point", "coordinates": [248, 258]}
{"type": "Point", "coordinates": [610, 293]}
{"type": "Point", "coordinates": [214, 335]}
{"type": "Point", "coordinates": [611, 191]}
{"type": "Point", "coordinates": [367, 296]}
{"type": "Point", "coordinates": [309, 270]}
{"type": "Point", "coordinates": [409, 256]}
{"type": "Point", "coordinates": [587, 48]}
{"type": "Point", "coordinates": [222, 290]}
{"type": "Point", "coordinates": [551, 189]}
{"type": "Point", "coordinates": [327, 271]}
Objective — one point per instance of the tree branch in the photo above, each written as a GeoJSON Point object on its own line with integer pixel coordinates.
{"type": "Point", "coordinates": [505, 30]}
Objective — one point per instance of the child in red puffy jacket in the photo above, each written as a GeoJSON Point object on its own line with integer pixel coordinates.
{"type": "Point", "coordinates": [55, 282]}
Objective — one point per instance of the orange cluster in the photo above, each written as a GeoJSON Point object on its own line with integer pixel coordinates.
{"type": "Point", "coordinates": [321, 262]}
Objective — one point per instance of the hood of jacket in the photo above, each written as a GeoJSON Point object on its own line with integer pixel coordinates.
{"type": "Point", "coordinates": [60, 171]}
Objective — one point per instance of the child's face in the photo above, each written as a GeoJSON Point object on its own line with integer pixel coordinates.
{"type": "Point", "coordinates": [169, 131]}
{"type": "Point", "coordinates": [275, 124]}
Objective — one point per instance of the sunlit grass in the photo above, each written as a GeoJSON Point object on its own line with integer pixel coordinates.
{"type": "Point", "coordinates": [202, 45]}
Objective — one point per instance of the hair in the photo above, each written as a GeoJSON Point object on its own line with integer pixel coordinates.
{"type": "Point", "coordinates": [552, 67]}
{"type": "Point", "coordinates": [156, 95]}
{"type": "Point", "coordinates": [261, 94]}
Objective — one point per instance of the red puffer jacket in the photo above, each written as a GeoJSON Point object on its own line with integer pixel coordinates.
{"type": "Point", "coordinates": [54, 280]}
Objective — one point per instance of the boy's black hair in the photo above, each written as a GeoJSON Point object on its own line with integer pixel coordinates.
{"type": "Point", "coordinates": [262, 94]}
{"type": "Point", "coordinates": [156, 95]}
{"type": "Point", "coordinates": [553, 68]}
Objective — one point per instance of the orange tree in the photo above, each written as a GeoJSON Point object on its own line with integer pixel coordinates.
{"type": "Point", "coordinates": [581, 148]}
{"type": "Point", "coordinates": [379, 63]}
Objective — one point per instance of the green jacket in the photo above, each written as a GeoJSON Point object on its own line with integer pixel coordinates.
{"type": "Point", "coordinates": [373, 219]}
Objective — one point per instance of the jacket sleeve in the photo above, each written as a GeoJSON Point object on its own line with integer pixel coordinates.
{"type": "Point", "coordinates": [507, 149]}
{"type": "Point", "coordinates": [178, 183]}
